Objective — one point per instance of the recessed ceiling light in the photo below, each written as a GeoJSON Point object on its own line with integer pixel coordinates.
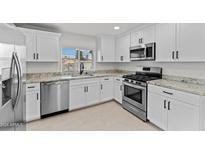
{"type": "Point", "coordinates": [116, 28]}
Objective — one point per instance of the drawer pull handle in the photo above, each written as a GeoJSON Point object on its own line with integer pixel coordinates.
{"type": "Point", "coordinates": [106, 79]}
{"type": "Point", "coordinates": [167, 93]}
{"type": "Point", "coordinates": [31, 87]}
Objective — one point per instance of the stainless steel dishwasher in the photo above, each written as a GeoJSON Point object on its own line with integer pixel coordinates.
{"type": "Point", "coordinates": [54, 97]}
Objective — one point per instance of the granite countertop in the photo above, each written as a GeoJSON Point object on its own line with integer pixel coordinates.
{"type": "Point", "coordinates": [37, 79]}
{"type": "Point", "coordinates": [198, 89]}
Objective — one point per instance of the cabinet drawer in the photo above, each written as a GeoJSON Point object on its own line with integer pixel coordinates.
{"type": "Point", "coordinates": [83, 81]}
{"type": "Point", "coordinates": [118, 79]}
{"type": "Point", "coordinates": [33, 87]}
{"type": "Point", "coordinates": [175, 94]}
{"type": "Point", "coordinates": [106, 79]}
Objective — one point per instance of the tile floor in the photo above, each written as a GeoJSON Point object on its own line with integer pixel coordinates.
{"type": "Point", "coordinates": [108, 116]}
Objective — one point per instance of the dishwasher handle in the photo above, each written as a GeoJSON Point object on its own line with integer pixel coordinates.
{"type": "Point", "coordinates": [52, 83]}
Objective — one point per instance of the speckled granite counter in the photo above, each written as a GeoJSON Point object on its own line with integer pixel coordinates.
{"type": "Point", "coordinates": [48, 77]}
{"type": "Point", "coordinates": [184, 85]}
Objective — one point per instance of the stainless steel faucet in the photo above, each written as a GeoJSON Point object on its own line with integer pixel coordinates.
{"type": "Point", "coordinates": [81, 68]}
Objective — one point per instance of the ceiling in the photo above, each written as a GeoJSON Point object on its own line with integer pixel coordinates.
{"type": "Point", "coordinates": [92, 29]}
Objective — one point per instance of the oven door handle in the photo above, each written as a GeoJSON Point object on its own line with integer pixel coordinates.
{"type": "Point", "coordinates": [134, 86]}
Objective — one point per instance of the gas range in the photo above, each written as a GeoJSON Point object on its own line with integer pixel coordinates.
{"type": "Point", "coordinates": [135, 90]}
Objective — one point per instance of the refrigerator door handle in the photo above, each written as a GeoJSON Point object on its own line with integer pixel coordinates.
{"type": "Point", "coordinates": [19, 76]}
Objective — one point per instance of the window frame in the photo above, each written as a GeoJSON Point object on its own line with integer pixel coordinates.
{"type": "Point", "coordinates": [78, 63]}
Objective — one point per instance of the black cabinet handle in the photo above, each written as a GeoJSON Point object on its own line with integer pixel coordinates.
{"type": "Point", "coordinates": [101, 86]}
{"type": "Point", "coordinates": [169, 105]}
{"type": "Point", "coordinates": [37, 96]}
{"type": "Point", "coordinates": [31, 87]}
{"type": "Point", "coordinates": [34, 56]}
{"type": "Point", "coordinates": [102, 58]}
{"type": "Point", "coordinates": [139, 41]}
{"type": "Point", "coordinates": [120, 87]}
{"type": "Point", "coordinates": [87, 89]}
{"type": "Point", "coordinates": [167, 93]}
{"type": "Point", "coordinates": [172, 54]}
{"type": "Point", "coordinates": [177, 54]}
{"type": "Point", "coordinates": [37, 56]}
{"type": "Point", "coordinates": [165, 104]}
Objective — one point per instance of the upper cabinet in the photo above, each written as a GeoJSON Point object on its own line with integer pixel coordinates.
{"type": "Point", "coordinates": [143, 36]}
{"type": "Point", "coordinates": [180, 42]}
{"type": "Point", "coordinates": [41, 46]}
{"type": "Point", "coordinates": [122, 52]}
{"type": "Point", "coordinates": [165, 42]}
{"type": "Point", "coordinates": [106, 48]}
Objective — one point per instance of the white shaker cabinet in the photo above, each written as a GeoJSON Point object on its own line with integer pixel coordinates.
{"type": "Point", "coordinates": [84, 92]}
{"type": "Point", "coordinates": [32, 102]}
{"type": "Point", "coordinates": [165, 41]}
{"type": "Point", "coordinates": [118, 89]}
{"type": "Point", "coordinates": [143, 36]}
{"type": "Point", "coordinates": [122, 50]}
{"type": "Point", "coordinates": [77, 97]}
{"type": "Point", "coordinates": [173, 110]}
{"type": "Point", "coordinates": [106, 89]}
{"type": "Point", "coordinates": [157, 112]}
{"type": "Point", "coordinates": [183, 42]}
{"type": "Point", "coordinates": [106, 48]}
{"type": "Point", "coordinates": [190, 42]}
{"type": "Point", "coordinates": [41, 46]}
{"type": "Point", "coordinates": [182, 116]}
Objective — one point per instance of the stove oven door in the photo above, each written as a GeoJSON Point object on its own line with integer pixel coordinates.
{"type": "Point", "coordinates": [135, 95]}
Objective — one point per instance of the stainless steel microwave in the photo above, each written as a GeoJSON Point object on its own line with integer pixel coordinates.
{"type": "Point", "coordinates": [143, 52]}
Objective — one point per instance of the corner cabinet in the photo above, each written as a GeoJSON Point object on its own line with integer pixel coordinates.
{"type": "Point", "coordinates": [122, 50]}
{"type": "Point", "coordinates": [173, 110]}
{"type": "Point", "coordinates": [41, 46]}
{"type": "Point", "coordinates": [182, 42]}
{"type": "Point", "coordinates": [106, 48]}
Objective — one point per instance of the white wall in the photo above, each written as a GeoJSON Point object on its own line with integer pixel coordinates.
{"type": "Point", "coordinates": [193, 70]}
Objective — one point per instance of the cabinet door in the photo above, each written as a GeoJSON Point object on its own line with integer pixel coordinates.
{"type": "Point", "coordinates": [32, 105]}
{"type": "Point", "coordinates": [149, 34]}
{"type": "Point", "coordinates": [157, 110]}
{"type": "Point", "coordinates": [77, 97]}
{"type": "Point", "coordinates": [122, 52]}
{"type": "Point", "coordinates": [189, 44]}
{"type": "Point", "coordinates": [106, 90]}
{"type": "Point", "coordinates": [93, 94]}
{"type": "Point", "coordinates": [30, 41]}
{"type": "Point", "coordinates": [136, 38]}
{"type": "Point", "coordinates": [182, 116]}
{"type": "Point", "coordinates": [47, 48]}
{"type": "Point", "coordinates": [165, 41]}
{"type": "Point", "coordinates": [106, 49]}
{"type": "Point", "coordinates": [118, 92]}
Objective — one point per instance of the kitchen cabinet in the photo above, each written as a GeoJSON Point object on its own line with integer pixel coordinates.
{"type": "Point", "coordinates": [106, 89]}
{"type": "Point", "coordinates": [157, 112]}
{"type": "Point", "coordinates": [106, 48]}
{"type": "Point", "coordinates": [118, 89]}
{"type": "Point", "coordinates": [77, 97]}
{"type": "Point", "coordinates": [173, 110]}
{"type": "Point", "coordinates": [165, 42]}
{"type": "Point", "coordinates": [41, 46]}
{"type": "Point", "coordinates": [180, 42]}
{"type": "Point", "coordinates": [122, 52]}
{"type": "Point", "coordinates": [32, 102]}
{"type": "Point", "coordinates": [143, 36]}
{"type": "Point", "coordinates": [84, 92]}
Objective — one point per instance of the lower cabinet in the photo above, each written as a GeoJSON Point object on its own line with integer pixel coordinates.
{"type": "Point", "coordinates": [106, 87]}
{"type": "Point", "coordinates": [170, 112]}
{"type": "Point", "coordinates": [118, 89]}
{"type": "Point", "coordinates": [32, 102]}
{"type": "Point", "coordinates": [84, 93]}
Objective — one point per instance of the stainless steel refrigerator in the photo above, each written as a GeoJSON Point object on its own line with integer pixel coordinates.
{"type": "Point", "coordinates": [12, 86]}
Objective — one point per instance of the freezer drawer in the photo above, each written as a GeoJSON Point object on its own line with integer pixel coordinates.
{"type": "Point", "coordinates": [54, 97]}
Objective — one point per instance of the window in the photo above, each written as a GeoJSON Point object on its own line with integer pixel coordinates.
{"type": "Point", "coordinates": [71, 59]}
